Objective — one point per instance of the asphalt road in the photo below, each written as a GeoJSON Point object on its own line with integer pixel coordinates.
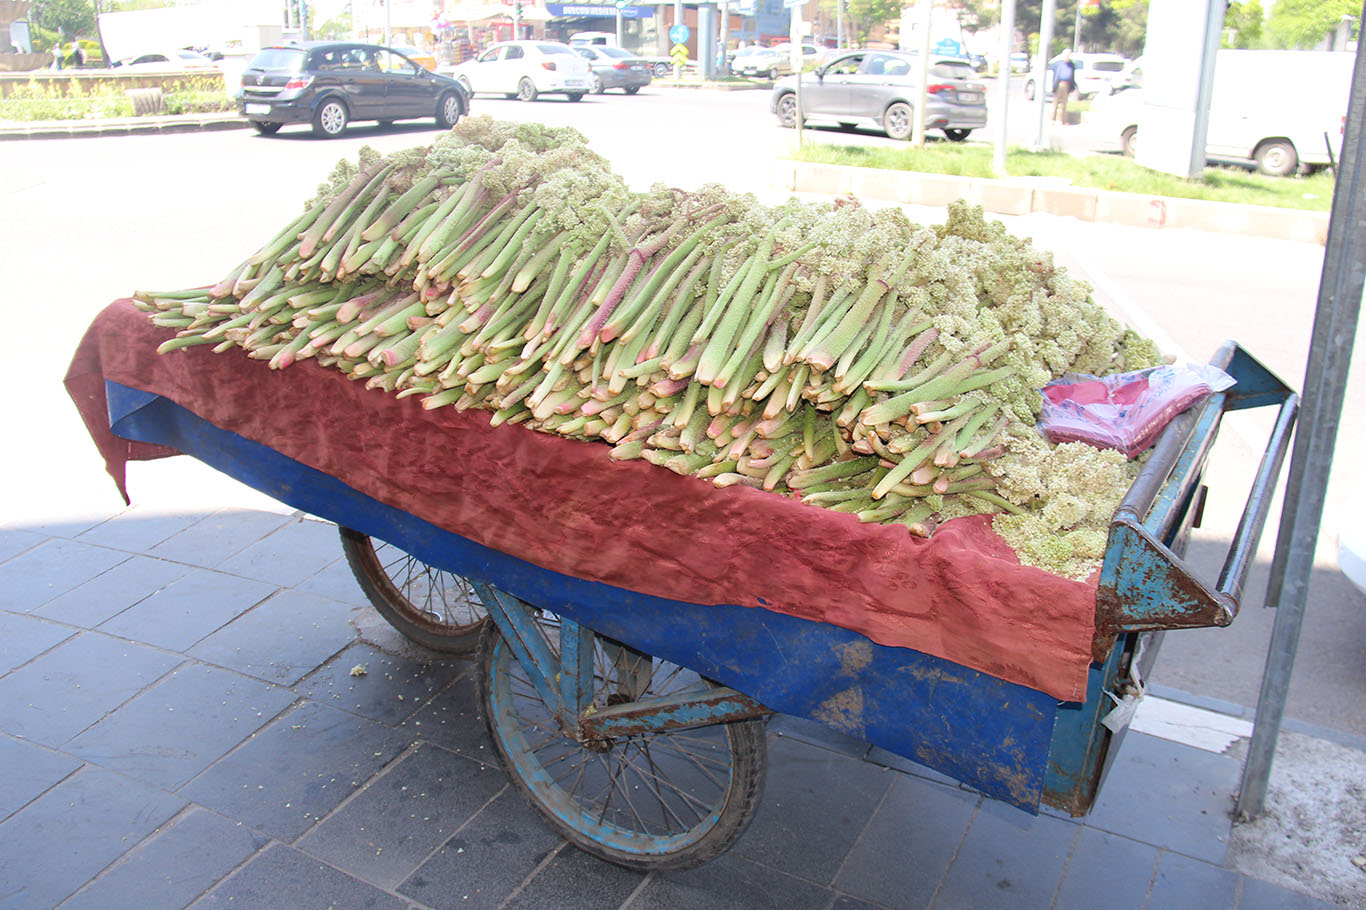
{"type": "Point", "coordinates": [90, 220]}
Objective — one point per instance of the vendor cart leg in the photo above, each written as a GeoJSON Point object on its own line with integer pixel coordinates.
{"type": "Point", "coordinates": [430, 606]}
{"type": "Point", "coordinates": [633, 759]}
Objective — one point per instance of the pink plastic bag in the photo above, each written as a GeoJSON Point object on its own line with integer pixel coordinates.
{"type": "Point", "coordinates": [1125, 411]}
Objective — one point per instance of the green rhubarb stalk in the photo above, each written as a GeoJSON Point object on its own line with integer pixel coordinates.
{"type": "Point", "coordinates": [400, 207]}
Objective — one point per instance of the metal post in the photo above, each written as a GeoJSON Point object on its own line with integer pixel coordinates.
{"type": "Point", "coordinates": [1214, 30]}
{"type": "Point", "coordinates": [998, 158]}
{"type": "Point", "coordinates": [1325, 384]}
{"type": "Point", "coordinates": [1076, 29]}
{"type": "Point", "coordinates": [723, 61]}
{"type": "Point", "coordinates": [1044, 55]}
{"type": "Point", "coordinates": [794, 36]}
{"type": "Point", "coordinates": [923, 68]}
{"type": "Point", "coordinates": [678, 20]}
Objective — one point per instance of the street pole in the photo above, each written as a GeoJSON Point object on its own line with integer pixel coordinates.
{"type": "Point", "coordinates": [1050, 10]}
{"type": "Point", "coordinates": [619, 29]}
{"type": "Point", "coordinates": [1076, 29]}
{"type": "Point", "coordinates": [678, 20]}
{"type": "Point", "coordinates": [723, 64]}
{"type": "Point", "coordinates": [923, 66]}
{"type": "Point", "coordinates": [998, 158]}
{"type": "Point", "coordinates": [388, 26]}
{"type": "Point", "coordinates": [794, 37]}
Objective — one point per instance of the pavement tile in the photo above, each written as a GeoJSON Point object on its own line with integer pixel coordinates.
{"type": "Point", "coordinates": [809, 731]}
{"type": "Point", "coordinates": [574, 880]}
{"type": "Point", "coordinates": [1266, 896]}
{"type": "Point", "coordinates": [900, 763]}
{"type": "Point", "coordinates": [53, 567]}
{"type": "Point", "coordinates": [138, 529]}
{"type": "Point", "coordinates": [284, 877]}
{"type": "Point", "coordinates": [288, 556]}
{"type": "Point", "coordinates": [452, 721]}
{"type": "Point", "coordinates": [72, 686]}
{"type": "Point", "coordinates": [482, 864]}
{"type": "Point", "coordinates": [172, 867]}
{"type": "Point", "coordinates": [29, 771]}
{"type": "Point", "coordinates": [1106, 872]}
{"type": "Point", "coordinates": [336, 581]}
{"type": "Point", "coordinates": [1184, 882]}
{"type": "Point", "coordinates": [845, 902]}
{"type": "Point", "coordinates": [729, 882]}
{"type": "Point", "coordinates": [1009, 859]}
{"type": "Point", "coordinates": [908, 845]}
{"type": "Point", "coordinates": [282, 640]}
{"type": "Point", "coordinates": [804, 826]}
{"type": "Point", "coordinates": [392, 825]}
{"type": "Point", "coordinates": [391, 689]}
{"type": "Point", "coordinates": [112, 592]}
{"type": "Point", "coordinates": [14, 541]}
{"type": "Point", "coordinates": [188, 610]}
{"type": "Point", "coordinates": [58, 842]}
{"type": "Point", "coordinates": [217, 537]}
{"type": "Point", "coordinates": [1169, 795]}
{"type": "Point", "coordinates": [24, 637]}
{"type": "Point", "coordinates": [296, 770]}
{"type": "Point", "coordinates": [181, 725]}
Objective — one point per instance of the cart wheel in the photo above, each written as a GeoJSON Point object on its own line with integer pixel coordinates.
{"type": "Point", "coordinates": [429, 606]}
{"type": "Point", "coordinates": [667, 800]}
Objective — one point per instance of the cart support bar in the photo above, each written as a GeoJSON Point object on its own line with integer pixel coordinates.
{"type": "Point", "coordinates": [678, 712]}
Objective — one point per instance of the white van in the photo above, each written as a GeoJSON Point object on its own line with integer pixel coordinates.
{"type": "Point", "coordinates": [1281, 110]}
{"type": "Point", "coordinates": [593, 39]}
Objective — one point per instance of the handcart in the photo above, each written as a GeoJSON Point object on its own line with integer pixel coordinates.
{"type": "Point", "coordinates": [632, 717]}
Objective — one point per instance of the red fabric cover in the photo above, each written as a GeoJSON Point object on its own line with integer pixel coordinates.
{"type": "Point", "coordinates": [566, 506]}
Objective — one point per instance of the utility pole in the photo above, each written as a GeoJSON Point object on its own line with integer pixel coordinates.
{"type": "Point", "coordinates": [1050, 10]}
{"type": "Point", "coordinates": [998, 158]}
{"type": "Point", "coordinates": [923, 69]}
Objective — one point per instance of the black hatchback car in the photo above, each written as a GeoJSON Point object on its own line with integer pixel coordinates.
{"type": "Point", "coordinates": [331, 83]}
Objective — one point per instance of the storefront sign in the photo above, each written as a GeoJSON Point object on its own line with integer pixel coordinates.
{"type": "Point", "coordinates": [592, 11]}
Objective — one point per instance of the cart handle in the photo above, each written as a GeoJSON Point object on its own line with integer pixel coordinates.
{"type": "Point", "coordinates": [1144, 584]}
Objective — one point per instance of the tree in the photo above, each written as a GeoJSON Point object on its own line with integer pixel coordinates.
{"type": "Point", "coordinates": [1305, 23]}
{"type": "Point", "coordinates": [976, 15]}
{"type": "Point", "coordinates": [1243, 24]}
{"type": "Point", "coordinates": [862, 16]}
{"type": "Point", "coordinates": [69, 17]}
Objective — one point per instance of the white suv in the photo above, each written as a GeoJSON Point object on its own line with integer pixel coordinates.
{"type": "Point", "coordinates": [526, 70]}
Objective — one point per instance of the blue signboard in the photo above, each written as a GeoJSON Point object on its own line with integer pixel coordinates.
{"type": "Point", "coordinates": [595, 10]}
{"type": "Point", "coordinates": [947, 47]}
{"type": "Point", "coordinates": [679, 34]}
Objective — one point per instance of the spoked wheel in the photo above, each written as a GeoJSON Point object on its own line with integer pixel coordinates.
{"type": "Point", "coordinates": [428, 605]}
{"type": "Point", "coordinates": [668, 799]}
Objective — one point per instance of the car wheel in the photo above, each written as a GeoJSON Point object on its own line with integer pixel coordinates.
{"type": "Point", "coordinates": [526, 90]}
{"type": "Point", "coordinates": [1276, 157]}
{"type": "Point", "coordinates": [447, 110]}
{"type": "Point", "coordinates": [1128, 140]}
{"type": "Point", "coordinates": [386, 124]}
{"type": "Point", "coordinates": [1029, 90]}
{"type": "Point", "coordinates": [576, 96]}
{"type": "Point", "coordinates": [465, 84]}
{"type": "Point", "coordinates": [787, 110]}
{"type": "Point", "coordinates": [662, 69]}
{"type": "Point", "coordinates": [897, 120]}
{"type": "Point", "coordinates": [598, 87]}
{"type": "Point", "coordinates": [632, 89]}
{"type": "Point", "coordinates": [329, 120]}
{"type": "Point", "coordinates": [957, 135]}
{"type": "Point", "coordinates": [772, 73]}
{"type": "Point", "coordinates": [266, 129]}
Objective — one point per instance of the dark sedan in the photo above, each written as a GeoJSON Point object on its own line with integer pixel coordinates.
{"type": "Point", "coordinates": [615, 68]}
{"type": "Point", "coordinates": [329, 84]}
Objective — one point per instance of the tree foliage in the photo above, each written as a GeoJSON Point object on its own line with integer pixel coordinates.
{"type": "Point", "coordinates": [70, 17]}
{"type": "Point", "coordinates": [862, 16]}
{"type": "Point", "coordinates": [1243, 24]}
{"type": "Point", "coordinates": [1305, 23]}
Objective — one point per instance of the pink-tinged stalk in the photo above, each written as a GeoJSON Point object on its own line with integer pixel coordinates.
{"type": "Point", "coordinates": [635, 261]}
{"type": "Point", "coordinates": [912, 353]}
{"type": "Point", "coordinates": [353, 307]}
{"type": "Point", "coordinates": [986, 454]}
{"type": "Point", "coordinates": [666, 387]}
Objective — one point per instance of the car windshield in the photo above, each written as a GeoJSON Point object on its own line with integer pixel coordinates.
{"type": "Point", "coordinates": [614, 52]}
{"type": "Point", "coordinates": [553, 49]}
{"type": "Point", "coordinates": [947, 70]}
{"type": "Point", "coordinates": [280, 59]}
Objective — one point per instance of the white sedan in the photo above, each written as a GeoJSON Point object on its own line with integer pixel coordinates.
{"type": "Point", "coordinates": [525, 70]}
{"type": "Point", "coordinates": [168, 60]}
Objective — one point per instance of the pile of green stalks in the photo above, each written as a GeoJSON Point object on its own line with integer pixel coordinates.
{"type": "Point", "coordinates": [846, 357]}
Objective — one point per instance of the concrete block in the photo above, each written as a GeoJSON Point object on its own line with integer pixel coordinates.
{"type": "Point", "coordinates": [1074, 203]}
{"type": "Point", "coordinates": [1002, 197]}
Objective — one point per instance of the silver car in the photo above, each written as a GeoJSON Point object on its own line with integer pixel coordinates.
{"type": "Point", "coordinates": [881, 87]}
{"type": "Point", "coordinates": [615, 68]}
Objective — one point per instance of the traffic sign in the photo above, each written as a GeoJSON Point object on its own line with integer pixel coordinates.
{"type": "Point", "coordinates": [622, 4]}
{"type": "Point", "coordinates": [679, 54]}
{"type": "Point", "coordinates": [679, 34]}
{"type": "Point", "coordinates": [789, 4]}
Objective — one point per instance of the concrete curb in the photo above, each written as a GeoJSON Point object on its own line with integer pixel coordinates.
{"type": "Point", "coordinates": [124, 126]}
{"type": "Point", "coordinates": [1020, 196]}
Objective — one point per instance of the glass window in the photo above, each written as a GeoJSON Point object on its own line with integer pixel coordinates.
{"type": "Point", "coordinates": [513, 52]}
{"type": "Point", "coordinates": [845, 66]}
{"type": "Point", "coordinates": [390, 62]}
{"type": "Point", "coordinates": [945, 69]}
{"type": "Point", "coordinates": [280, 59]}
{"type": "Point", "coordinates": [553, 49]}
{"type": "Point", "coordinates": [490, 55]}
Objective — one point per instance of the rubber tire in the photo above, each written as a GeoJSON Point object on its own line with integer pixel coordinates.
{"type": "Point", "coordinates": [1029, 90]}
{"type": "Point", "coordinates": [526, 90]}
{"type": "Point", "coordinates": [1276, 158]}
{"type": "Point", "coordinates": [749, 762]}
{"type": "Point", "coordinates": [787, 110]}
{"type": "Point", "coordinates": [632, 89]}
{"type": "Point", "coordinates": [448, 110]}
{"type": "Point", "coordinates": [896, 120]}
{"type": "Point", "coordinates": [598, 87]}
{"type": "Point", "coordinates": [266, 129]}
{"type": "Point", "coordinates": [330, 119]}
{"type": "Point", "coordinates": [1128, 141]}
{"type": "Point", "coordinates": [772, 73]}
{"type": "Point", "coordinates": [662, 70]}
{"type": "Point", "coordinates": [401, 613]}
{"type": "Point", "coordinates": [575, 96]}
{"type": "Point", "coordinates": [957, 135]}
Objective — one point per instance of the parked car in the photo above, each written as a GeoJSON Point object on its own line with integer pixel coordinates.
{"type": "Point", "coordinates": [1259, 113]}
{"type": "Point", "coordinates": [525, 70]}
{"type": "Point", "coordinates": [881, 87]}
{"type": "Point", "coordinates": [168, 59]}
{"type": "Point", "coordinates": [1094, 74]}
{"type": "Point", "coordinates": [1019, 62]}
{"type": "Point", "coordinates": [761, 61]}
{"type": "Point", "coordinates": [812, 55]}
{"type": "Point", "coordinates": [332, 83]}
{"type": "Point", "coordinates": [615, 68]}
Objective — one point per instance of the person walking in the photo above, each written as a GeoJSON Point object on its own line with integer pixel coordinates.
{"type": "Point", "coordinates": [1064, 81]}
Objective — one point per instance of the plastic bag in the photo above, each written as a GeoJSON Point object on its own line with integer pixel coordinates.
{"type": "Point", "coordinates": [1125, 411]}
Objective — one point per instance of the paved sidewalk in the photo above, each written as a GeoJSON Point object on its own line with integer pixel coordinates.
{"type": "Point", "coordinates": [180, 726]}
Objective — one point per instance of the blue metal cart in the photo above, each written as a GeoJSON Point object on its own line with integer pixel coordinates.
{"type": "Point", "coordinates": [634, 724]}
